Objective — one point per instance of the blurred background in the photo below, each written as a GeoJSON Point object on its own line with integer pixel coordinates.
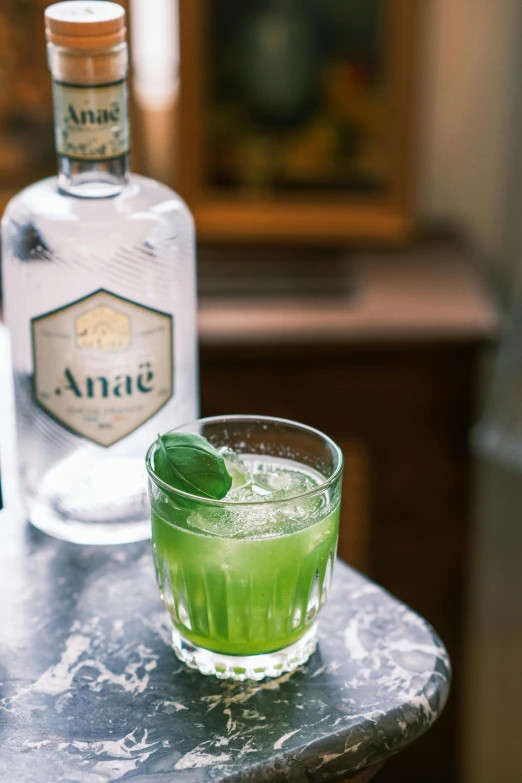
{"type": "Point", "coordinates": [354, 169]}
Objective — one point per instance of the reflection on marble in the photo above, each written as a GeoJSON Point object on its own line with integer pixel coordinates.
{"type": "Point", "coordinates": [90, 691]}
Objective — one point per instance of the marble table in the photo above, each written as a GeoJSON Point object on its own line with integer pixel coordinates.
{"type": "Point", "coordinates": [90, 690]}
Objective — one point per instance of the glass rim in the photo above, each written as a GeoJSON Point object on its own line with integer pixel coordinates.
{"type": "Point", "coordinates": [249, 418]}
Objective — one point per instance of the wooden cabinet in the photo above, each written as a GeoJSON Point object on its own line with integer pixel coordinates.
{"type": "Point", "coordinates": [391, 376]}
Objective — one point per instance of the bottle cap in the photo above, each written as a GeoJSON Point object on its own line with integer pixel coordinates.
{"type": "Point", "coordinates": [85, 24]}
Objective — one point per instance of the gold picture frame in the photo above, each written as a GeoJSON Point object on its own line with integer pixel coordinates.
{"type": "Point", "coordinates": [244, 214]}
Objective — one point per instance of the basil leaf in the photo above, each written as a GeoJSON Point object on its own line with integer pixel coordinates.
{"type": "Point", "coordinates": [190, 463]}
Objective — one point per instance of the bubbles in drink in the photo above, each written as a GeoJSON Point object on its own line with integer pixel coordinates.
{"type": "Point", "coordinates": [271, 498]}
{"type": "Point", "coordinates": [280, 481]}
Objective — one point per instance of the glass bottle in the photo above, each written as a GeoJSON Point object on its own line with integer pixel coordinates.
{"type": "Point", "coordinates": [100, 297]}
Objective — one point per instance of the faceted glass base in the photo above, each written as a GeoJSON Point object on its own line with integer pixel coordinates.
{"type": "Point", "coordinates": [245, 667]}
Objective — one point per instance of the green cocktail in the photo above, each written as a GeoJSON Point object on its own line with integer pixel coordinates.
{"type": "Point", "coordinates": [243, 578]}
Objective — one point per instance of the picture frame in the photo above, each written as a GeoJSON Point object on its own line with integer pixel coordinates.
{"type": "Point", "coordinates": [332, 214]}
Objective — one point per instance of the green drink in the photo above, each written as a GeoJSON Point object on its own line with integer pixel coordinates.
{"type": "Point", "coordinates": [244, 577]}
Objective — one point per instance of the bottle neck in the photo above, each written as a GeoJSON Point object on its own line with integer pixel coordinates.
{"type": "Point", "coordinates": [91, 120]}
{"type": "Point", "coordinates": [93, 179]}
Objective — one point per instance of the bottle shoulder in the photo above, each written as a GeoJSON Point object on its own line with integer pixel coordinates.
{"type": "Point", "coordinates": [45, 201]}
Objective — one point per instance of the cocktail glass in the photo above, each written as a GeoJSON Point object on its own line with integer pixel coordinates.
{"type": "Point", "coordinates": [244, 578]}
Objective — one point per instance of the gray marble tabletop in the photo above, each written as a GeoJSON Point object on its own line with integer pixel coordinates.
{"type": "Point", "coordinates": [90, 690]}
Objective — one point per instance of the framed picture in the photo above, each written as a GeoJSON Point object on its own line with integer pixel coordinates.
{"type": "Point", "coordinates": [295, 120]}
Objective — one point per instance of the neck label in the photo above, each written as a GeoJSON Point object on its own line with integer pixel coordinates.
{"type": "Point", "coordinates": [91, 122]}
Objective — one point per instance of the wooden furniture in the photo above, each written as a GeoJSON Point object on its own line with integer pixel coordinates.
{"type": "Point", "coordinates": [26, 113]}
{"type": "Point", "coordinates": [364, 776]}
{"type": "Point", "coordinates": [381, 353]}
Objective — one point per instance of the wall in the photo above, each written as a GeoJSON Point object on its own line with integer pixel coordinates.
{"type": "Point", "coordinates": [467, 94]}
{"type": "Point", "coordinates": [471, 169]}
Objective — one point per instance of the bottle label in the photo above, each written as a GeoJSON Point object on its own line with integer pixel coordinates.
{"type": "Point", "coordinates": [103, 365]}
{"type": "Point", "coordinates": [91, 122]}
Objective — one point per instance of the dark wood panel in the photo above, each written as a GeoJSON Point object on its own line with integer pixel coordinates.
{"type": "Point", "coordinates": [365, 775]}
{"type": "Point", "coordinates": [409, 408]}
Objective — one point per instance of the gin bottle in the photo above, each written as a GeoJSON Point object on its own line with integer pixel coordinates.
{"type": "Point", "coordinates": [100, 298]}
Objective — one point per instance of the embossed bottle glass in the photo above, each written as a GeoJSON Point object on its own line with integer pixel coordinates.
{"type": "Point", "coordinates": [100, 298]}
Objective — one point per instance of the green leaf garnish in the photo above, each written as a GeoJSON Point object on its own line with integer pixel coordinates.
{"type": "Point", "coordinates": [190, 463]}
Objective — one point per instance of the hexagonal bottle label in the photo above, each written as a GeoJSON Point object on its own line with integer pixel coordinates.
{"type": "Point", "coordinates": [103, 365]}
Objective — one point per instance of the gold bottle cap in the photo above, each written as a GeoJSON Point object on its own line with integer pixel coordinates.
{"type": "Point", "coordinates": [85, 24]}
